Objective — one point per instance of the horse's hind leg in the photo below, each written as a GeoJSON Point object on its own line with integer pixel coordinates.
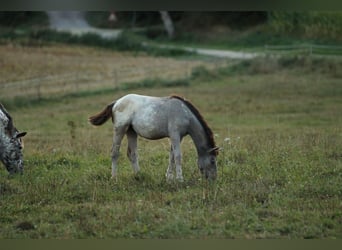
{"type": "Point", "coordinates": [118, 135]}
{"type": "Point", "coordinates": [132, 152]}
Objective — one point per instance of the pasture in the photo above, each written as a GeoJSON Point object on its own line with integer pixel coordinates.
{"type": "Point", "coordinates": [278, 122]}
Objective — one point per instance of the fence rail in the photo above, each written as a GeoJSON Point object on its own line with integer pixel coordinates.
{"type": "Point", "coordinates": [306, 48]}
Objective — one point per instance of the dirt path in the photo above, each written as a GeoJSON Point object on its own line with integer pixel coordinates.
{"type": "Point", "coordinates": [211, 52]}
{"type": "Point", "coordinates": [75, 23]}
{"type": "Point", "coordinates": [224, 53]}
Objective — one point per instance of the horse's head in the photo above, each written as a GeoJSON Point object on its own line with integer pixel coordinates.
{"type": "Point", "coordinates": [11, 143]}
{"type": "Point", "coordinates": [207, 164]}
{"type": "Point", "coordinates": [12, 155]}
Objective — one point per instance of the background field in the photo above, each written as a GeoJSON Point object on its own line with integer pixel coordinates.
{"type": "Point", "coordinates": [279, 173]}
{"type": "Point", "coordinates": [51, 70]}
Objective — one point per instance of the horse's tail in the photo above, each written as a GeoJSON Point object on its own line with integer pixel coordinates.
{"type": "Point", "coordinates": [103, 116]}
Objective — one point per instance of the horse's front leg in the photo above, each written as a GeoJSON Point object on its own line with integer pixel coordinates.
{"type": "Point", "coordinates": [177, 156]}
{"type": "Point", "coordinates": [171, 167]}
{"type": "Point", "coordinates": [119, 133]}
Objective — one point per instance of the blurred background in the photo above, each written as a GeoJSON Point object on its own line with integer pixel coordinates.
{"type": "Point", "coordinates": [213, 36]}
{"type": "Point", "coordinates": [225, 29]}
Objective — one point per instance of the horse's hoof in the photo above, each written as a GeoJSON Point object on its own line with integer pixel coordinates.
{"type": "Point", "coordinates": [169, 178]}
{"type": "Point", "coordinates": [169, 181]}
{"type": "Point", "coordinates": [180, 179]}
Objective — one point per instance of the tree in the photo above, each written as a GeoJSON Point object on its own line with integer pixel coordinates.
{"type": "Point", "coordinates": [167, 23]}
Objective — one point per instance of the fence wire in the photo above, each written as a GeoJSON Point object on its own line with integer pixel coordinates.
{"type": "Point", "coordinates": [306, 48]}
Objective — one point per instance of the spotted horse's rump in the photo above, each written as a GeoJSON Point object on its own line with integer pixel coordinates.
{"type": "Point", "coordinates": [11, 144]}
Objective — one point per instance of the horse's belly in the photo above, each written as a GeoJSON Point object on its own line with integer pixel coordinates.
{"type": "Point", "coordinates": [151, 125]}
{"type": "Point", "coordinates": [150, 130]}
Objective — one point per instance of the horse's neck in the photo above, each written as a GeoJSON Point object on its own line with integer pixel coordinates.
{"type": "Point", "coordinates": [4, 139]}
{"type": "Point", "coordinates": [3, 144]}
{"type": "Point", "coordinates": [199, 136]}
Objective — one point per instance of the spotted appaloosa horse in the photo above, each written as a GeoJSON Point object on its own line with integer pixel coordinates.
{"type": "Point", "coordinates": [10, 143]}
{"type": "Point", "coordinates": [156, 118]}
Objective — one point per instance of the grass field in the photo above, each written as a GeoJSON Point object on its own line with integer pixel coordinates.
{"type": "Point", "coordinates": [54, 69]}
{"type": "Point", "coordinates": [279, 173]}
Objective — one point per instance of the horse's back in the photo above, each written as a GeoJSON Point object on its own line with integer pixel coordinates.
{"type": "Point", "coordinates": [134, 104]}
{"type": "Point", "coordinates": [151, 117]}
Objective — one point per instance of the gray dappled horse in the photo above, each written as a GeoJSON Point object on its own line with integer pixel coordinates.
{"type": "Point", "coordinates": [156, 118]}
{"type": "Point", "coordinates": [10, 143]}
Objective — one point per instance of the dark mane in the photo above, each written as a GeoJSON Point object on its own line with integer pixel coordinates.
{"type": "Point", "coordinates": [207, 130]}
{"type": "Point", "coordinates": [10, 127]}
{"type": "Point", "coordinates": [2, 108]}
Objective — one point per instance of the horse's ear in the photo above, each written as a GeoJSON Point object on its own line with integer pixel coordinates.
{"type": "Point", "coordinates": [21, 134]}
{"type": "Point", "coordinates": [215, 149]}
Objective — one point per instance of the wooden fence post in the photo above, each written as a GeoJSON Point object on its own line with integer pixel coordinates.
{"type": "Point", "coordinates": [39, 93]}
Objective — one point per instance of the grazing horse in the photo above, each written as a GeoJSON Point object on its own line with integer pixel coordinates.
{"type": "Point", "coordinates": [155, 118]}
{"type": "Point", "coordinates": [11, 144]}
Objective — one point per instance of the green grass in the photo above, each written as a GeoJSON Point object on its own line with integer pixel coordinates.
{"type": "Point", "coordinates": [279, 173]}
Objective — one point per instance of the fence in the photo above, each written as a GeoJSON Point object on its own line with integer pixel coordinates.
{"type": "Point", "coordinates": [306, 48]}
{"type": "Point", "coordinates": [61, 84]}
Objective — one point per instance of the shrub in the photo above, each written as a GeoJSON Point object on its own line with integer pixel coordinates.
{"type": "Point", "coordinates": [314, 25]}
